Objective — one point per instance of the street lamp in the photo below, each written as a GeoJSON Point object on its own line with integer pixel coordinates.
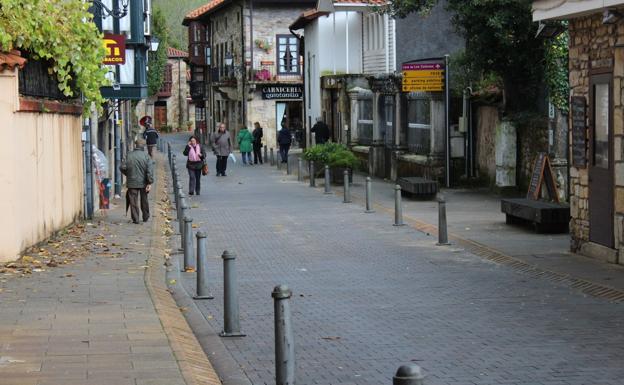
{"type": "Point", "coordinates": [154, 43]}
{"type": "Point", "coordinates": [115, 13]}
{"type": "Point", "coordinates": [228, 59]}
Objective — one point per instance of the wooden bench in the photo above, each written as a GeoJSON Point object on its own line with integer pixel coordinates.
{"type": "Point", "coordinates": [546, 217]}
{"type": "Point", "coordinates": [418, 187]}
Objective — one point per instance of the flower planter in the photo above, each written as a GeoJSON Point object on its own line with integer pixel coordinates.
{"type": "Point", "coordinates": [337, 175]}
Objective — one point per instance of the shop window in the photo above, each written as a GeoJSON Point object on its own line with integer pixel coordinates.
{"type": "Point", "coordinates": [365, 121]}
{"type": "Point", "coordinates": [287, 55]}
{"type": "Point", "coordinates": [419, 126]}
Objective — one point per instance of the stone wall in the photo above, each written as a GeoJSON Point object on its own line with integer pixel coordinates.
{"type": "Point", "coordinates": [592, 46]}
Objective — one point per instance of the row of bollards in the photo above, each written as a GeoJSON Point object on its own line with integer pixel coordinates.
{"type": "Point", "coordinates": [398, 207]}
{"type": "Point", "coordinates": [284, 334]}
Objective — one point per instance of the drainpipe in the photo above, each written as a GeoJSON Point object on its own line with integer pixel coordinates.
{"type": "Point", "coordinates": [243, 65]}
{"type": "Point", "coordinates": [303, 87]}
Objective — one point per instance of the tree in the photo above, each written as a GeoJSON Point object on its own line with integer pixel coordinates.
{"type": "Point", "coordinates": [158, 59]}
{"type": "Point", "coordinates": [500, 44]}
{"type": "Point", "coordinates": [61, 31]}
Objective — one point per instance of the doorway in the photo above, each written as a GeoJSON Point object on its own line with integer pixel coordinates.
{"type": "Point", "coordinates": [160, 115]}
{"type": "Point", "coordinates": [601, 160]}
{"type": "Point", "coordinates": [290, 114]}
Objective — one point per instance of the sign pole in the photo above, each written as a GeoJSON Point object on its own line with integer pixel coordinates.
{"type": "Point", "coordinates": [447, 102]}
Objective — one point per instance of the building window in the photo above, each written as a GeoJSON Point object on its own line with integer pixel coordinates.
{"type": "Point", "coordinates": [365, 121]}
{"type": "Point", "coordinates": [419, 126]}
{"type": "Point", "coordinates": [287, 55]}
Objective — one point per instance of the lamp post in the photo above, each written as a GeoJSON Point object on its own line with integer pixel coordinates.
{"type": "Point", "coordinates": [115, 13]}
{"type": "Point", "coordinates": [233, 70]}
{"type": "Point", "coordinates": [154, 43]}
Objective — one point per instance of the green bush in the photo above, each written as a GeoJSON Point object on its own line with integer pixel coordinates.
{"type": "Point", "coordinates": [331, 154]}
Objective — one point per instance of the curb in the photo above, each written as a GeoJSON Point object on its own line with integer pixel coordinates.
{"type": "Point", "coordinates": [193, 362]}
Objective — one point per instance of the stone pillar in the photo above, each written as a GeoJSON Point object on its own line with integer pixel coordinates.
{"type": "Point", "coordinates": [505, 154]}
{"type": "Point", "coordinates": [355, 112]}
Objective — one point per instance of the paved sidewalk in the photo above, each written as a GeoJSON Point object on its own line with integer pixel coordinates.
{"type": "Point", "coordinates": [369, 297]}
{"type": "Point", "coordinates": [92, 321]}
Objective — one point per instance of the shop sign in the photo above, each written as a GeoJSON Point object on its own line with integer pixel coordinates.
{"type": "Point", "coordinates": [115, 46]}
{"type": "Point", "coordinates": [281, 91]}
{"type": "Point", "coordinates": [423, 77]}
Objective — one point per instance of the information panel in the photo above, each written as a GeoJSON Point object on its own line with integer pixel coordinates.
{"type": "Point", "coordinates": [423, 77]}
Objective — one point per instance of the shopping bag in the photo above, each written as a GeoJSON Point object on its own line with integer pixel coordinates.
{"type": "Point", "coordinates": [232, 157]}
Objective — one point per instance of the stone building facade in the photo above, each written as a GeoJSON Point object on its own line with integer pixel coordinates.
{"type": "Point", "coordinates": [596, 135]}
{"type": "Point", "coordinates": [248, 67]}
{"type": "Point", "coordinates": [170, 106]}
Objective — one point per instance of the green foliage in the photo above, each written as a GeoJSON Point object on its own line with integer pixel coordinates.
{"type": "Point", "coordinates": [501, 47]}
{"type": "Point", "coordinates": [176, 11]}
{"type": "Point", "coordinates": [158, 59]}
{"type": "Point", "coordinates": [557, 71]}
{"type": "Point", "coordinates": [61, 31]}
{"type": "Point", "coordinates": [331, 154]}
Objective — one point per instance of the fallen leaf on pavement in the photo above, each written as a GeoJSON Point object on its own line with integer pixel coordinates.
{"type": "Point", "coordinates": [331, 338]}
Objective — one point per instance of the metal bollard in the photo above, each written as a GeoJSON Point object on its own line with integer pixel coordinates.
{"type": "Point", "coordinates": [184, 207]}
{"type": "Point", "coordinates": [284, 341]}
{"type": "Point", "coordinates": [442, 233]}
{"type": "Point", "coordinates": [369, 192]}
{"type": "Point", "coordinates": [189, 251]}
{"type": "Point", "coordinates": [202, 291]}
{"type": "Point", "coordinates": [300, 170]}
{"type": "Point", "coordinates": [231, 323]}
{"type": "Point", "coordinates": [398, 209]}
{"type": "Point", "coordinates": [347, 189]}
{"type": "Point", "coordinates": [288, 170]}
{"type": "Point", "coordinates": [410, 374]}
{"type": "Point", "coordinates": [312, 174]}
{"type": "Point", "coordinates": [172, 163]}
{"type": "Point", "coordinates": [266, 158]}
{"type": "Point", "coordinates": [272, 158]}
{"type": "Point", "coordinates": [327, 183]}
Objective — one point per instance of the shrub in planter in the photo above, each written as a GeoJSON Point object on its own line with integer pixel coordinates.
{"type": "Point", "coordinates": [337, 156]}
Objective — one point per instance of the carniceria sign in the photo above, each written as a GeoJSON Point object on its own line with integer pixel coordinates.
{"type": "Point", "coordinates": [278, 92]}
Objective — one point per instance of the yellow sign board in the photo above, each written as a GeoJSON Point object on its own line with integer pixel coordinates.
{"type": "Point", "coordinates": [423, 81]}
{"type": "Point", "coordinates": [424, 74]}
{"type": "Point", "coordinates": [423, 88]}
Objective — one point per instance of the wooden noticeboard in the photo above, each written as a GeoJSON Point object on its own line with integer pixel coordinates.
{"type": "Point", "coordinates": [578, 112]}
{"type": "Point", "coordinates": [542, 174]}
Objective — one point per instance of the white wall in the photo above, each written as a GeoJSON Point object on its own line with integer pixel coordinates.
{"type": "Point", "coordinates": [41, 174]}
{"type": "Point", "coordinates": [333, 46]}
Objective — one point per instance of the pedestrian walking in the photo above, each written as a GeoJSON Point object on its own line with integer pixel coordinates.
{"type": "Point", "coordinates": [257, 144]}
{"type": "Point", "coordinates": [194, 164]}
{"type": "Point", "coordinates": [223, 148]}
{"type": "Point", "coordinates": [284, 139]}
{"type": "Point", "coordinates": [139, 171]}
{"type": "Point", "coordinates": [245, 143]}
{"type": "Point", "coordinates": [150, 134]}
{"type": "Point", "coordinates": [321, 131]}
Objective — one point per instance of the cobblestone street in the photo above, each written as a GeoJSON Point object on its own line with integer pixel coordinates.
{"type": "Point", "coordinates": [369, 297]}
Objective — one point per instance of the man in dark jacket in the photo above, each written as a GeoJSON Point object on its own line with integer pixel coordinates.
{"type": "Point", "coordinates": [257, 143]}
{"type": "Point", "coordinates": [284, 139]}
{"type": "Point", "coordinates": [321, 131]}
{"type": "Point", "coordinates": [151, 136]}
{"type": "Point", "coordinates": [139, 171]}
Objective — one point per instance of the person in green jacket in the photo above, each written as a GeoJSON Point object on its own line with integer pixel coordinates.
{"type": "Point", "coordinates": [139, 171]}
{"type": "Point", "coordinates": [245, 143]}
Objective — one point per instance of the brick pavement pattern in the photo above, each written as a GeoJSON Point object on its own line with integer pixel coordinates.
{"type": "Point", "coordinates": [93, 322]}
{"type": "Point", "coordinates": [369, 297]}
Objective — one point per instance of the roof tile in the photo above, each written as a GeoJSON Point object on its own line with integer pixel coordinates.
{"type": "Point", "coordinates": [11, 59]}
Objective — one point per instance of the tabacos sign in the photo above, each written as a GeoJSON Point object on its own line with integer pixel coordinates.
{"type": "Point", "coordinates": [273, 92]}
{"type": "Point", "coordinates": [115, 46]}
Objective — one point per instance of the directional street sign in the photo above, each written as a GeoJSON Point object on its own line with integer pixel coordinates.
{"type": "Point", "coordinates": [423, 77]}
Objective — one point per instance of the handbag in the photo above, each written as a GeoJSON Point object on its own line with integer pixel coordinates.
{"type": "Point", "coordinates": [205, 169]}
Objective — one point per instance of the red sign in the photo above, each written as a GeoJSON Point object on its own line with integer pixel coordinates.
{"type": "Point", "coordinates": [115, 46]}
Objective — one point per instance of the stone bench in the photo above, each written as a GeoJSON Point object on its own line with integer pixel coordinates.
{"type": "Point", "coordinates": [418, 187]}
{"type": "Point", "coordinates": [546, 217]}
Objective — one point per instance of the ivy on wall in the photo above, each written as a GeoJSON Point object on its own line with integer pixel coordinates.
{"type": "Point", "coordinates": [158, 59]}
{"type": "Point", "coordinates": [61, 31]}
